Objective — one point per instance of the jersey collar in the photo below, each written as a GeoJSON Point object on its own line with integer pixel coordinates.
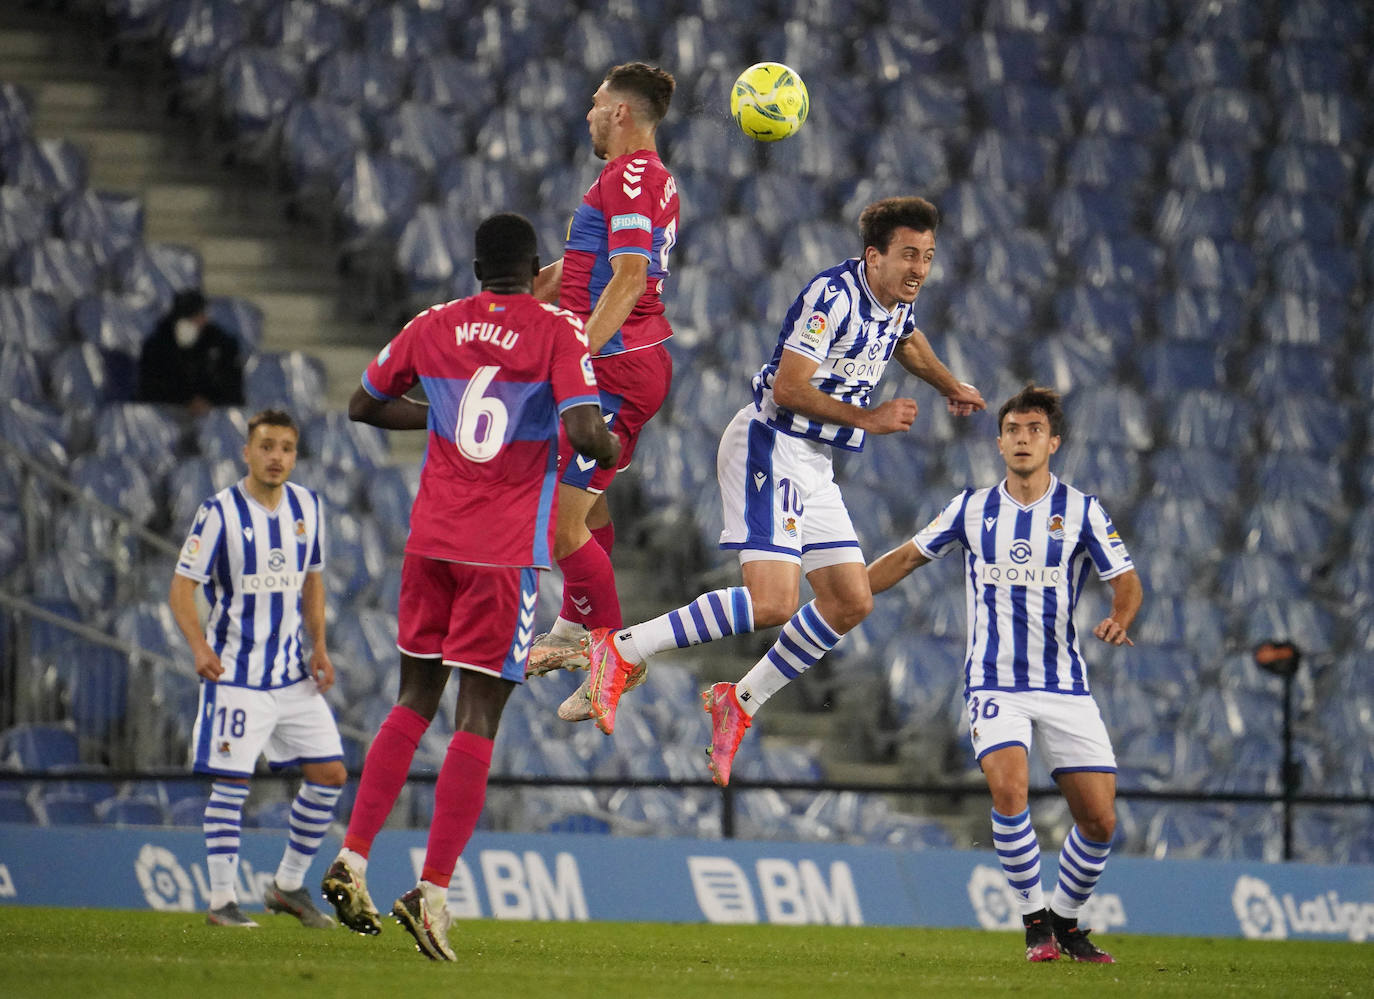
{"type": "Point", "coordinates": [1002, 487]}
{"type": "Point", "coordinates": [863, 283]}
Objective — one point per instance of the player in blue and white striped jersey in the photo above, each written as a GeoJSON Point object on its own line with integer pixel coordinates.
{"type": "Point", "coordinates": [1029, 544]}
{"type": "Point", "coordinates": [257, 549]}
{"type": "Point", "coordinates": [784, 513]}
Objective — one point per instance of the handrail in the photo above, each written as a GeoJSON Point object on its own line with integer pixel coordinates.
{"type": "Point", "coordinates": [152, 538]}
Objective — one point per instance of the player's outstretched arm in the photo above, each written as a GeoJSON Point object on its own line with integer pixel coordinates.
{"type": "Point", "coordinates": [313, 617]}
{"type": "Point", "coordinates": [588, 434]}
{"type": "Point", "coordinates": [1127, 595]}
{"type": "Point", "coordinates": [918, 357]}
{"type": "Point", "coordinates": [389, 414]}
{"type": "Point", "coordinates": [629, 274]}
{"type": "Point", "coordinates": [890, 568]}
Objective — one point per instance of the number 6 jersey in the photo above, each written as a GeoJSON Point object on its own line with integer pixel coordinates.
{"type": "Point", "coordinates": [498, 371]}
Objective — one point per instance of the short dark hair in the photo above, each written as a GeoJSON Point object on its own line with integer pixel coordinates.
{"type": "Point", "coordinates": [188, 303]}
{"type": "Point", "coordinates": [505, 245]}
{"type": "Point", "coordinates": [652, 86]}
{"type": "Point", "coordinates": [272, 418]}
{"type": "Point", "coordinates": [1035, 397]}
{"type": "Point", "coordinates": [881, 219]}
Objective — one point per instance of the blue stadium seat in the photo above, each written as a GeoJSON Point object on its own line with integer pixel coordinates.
{"type": "Point", "coordinates": [25, 217]}
{"type": "Point", "coordinates": [390, 491]}
{"type": "Point", "coordinates": [16, 112]}
{"type": "Point", "coordinates": [1006, 161]}
{"type": "Point", "coordinates": [996, 58]}
{"type": "Point", "coordinates": [199, 34]}
{"type": "Point", "coordinates": [404, 31]}
{"type": "Point", "coordinates": [1289, 529]}
{"type": "Point", "coordinates": [339, 443]}
{"type": "Point", "coordinates": [60, 268]}
{"type": "Point", "coordinates": [1168, 367]}
{"type": "Point", "coordinates": [305, 29]}
{"type": "Point", "coordinates": [371, 81]}
{"type": "Point", "coordinates": [20, 377]}
{"type": "Point", "coordinates": [910, 56]}
{"type": "Point", "coordinates": [80, 378]}
{"type": "Point", "coordinates": [1289, 367]}
{"type": "Point", "coordinates": [1124, 259]}
{"type": "Point", "coordinates": [31, 320]}
{"type": "Point", "coordinates": [1104, 470]}
{"type": "Point", "coordinates": [1211, 165]}
{"type": "Point", "coordinates": [14, 805]}
{"type": "Point", "coordinates": [1073, 360]}
{"type": "Point", "coordinates": [1294, 168]}
{"type": "Point", "coordinates": [1185, 214]}
{"type": "Point", "coordinates": [1028, 109]}
{"type": "Point", "coordinates": [376, 196]}
{"type": "Point", "coordinates": [1189, 522]}
{"type": "Point", "coordinates": [1021, 258]}
{"type": "Point", "coordinates": [511, 136]}
{"type": "Point", "coordinates": [147, 434]}
{"type": "Point", "coordinates": [1214, 265]}
{"type": "Point", "coordinates": [150, 626]}
{"type": "Point", "coordinates": [1308, 621]}
{"type": "Point", "coordinates": [1077, 214]}
{"type": "Point", "coordinates": [132, 811]}
{"type": "Point", "coordinates": [1133, 111]}
{"type": "Point", "coordinates": [1094, 61]}
{"type": "Point", "coordinates": [1220, 318]}
{"type": "Point", "coordinates": [935, 104]}
{"type": "Point", "coordinates": [987, 309]}
{"type": "Point", "coordinates": [150, 274]}
{"type": "Point", "coordinates": [52, 167]}
{"type": "Point", "coordinates": [970, 210]}
{"type": "Point", "coordinates": [318, 137]}
{"type": "Point", "coordinates": [1203, 62]}
{"type": "Point", "coordinates": [94, 681]}
{"type": "Point", "coordinates": [113, 479]}
{"type": "Point", "coordinates": [425, 135]}
{"type": "Point", "coordinates": [291, 380]}
{"type": "Point", "coordinates": [38, 431]}
{"type": "Point", "coordinates": [433, 250]}
{"type": "Point", "coordinates": [1301, 65]}
{"type": "Point", "coordinates": [1111, 415]}
{"type": "Point", "coordinates": [108, 223]}
{"type": "Point", "coordinates": [220, 434]}
{"type": "Point", "coordinates": [1116, 312]}
{"type": "Point", "coordinates": [469, 187]}
{"type": "Point", "coordinates": [1281, 218]}
{"type": "Point", "coordinates": [240, 317]}
{"type": "Point", "coordinates": [1319, 426]}
{"type": "Point", "coordinates": [61, 807]}
{"type": "Point", "coordinates": [1211, 419]}
{"type": "Point", "coordinates": [117, 324]}
{"type": "Point", "coordinates": [39, 746]}
{"type": "Point", "coordinates": [355, 557]}
{"type": "Point", "coordinates": [1143, 19]}
{"type": "Point", "coordinates": [1331, 119]}
{"type": "Point", "coordinates": [194, 480]}
{"type": "Point", "coordinates": [448, 81]}
{"type": "Point", "coordinates": [1316, 272]}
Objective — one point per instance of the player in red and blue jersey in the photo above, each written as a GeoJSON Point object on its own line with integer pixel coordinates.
{"type": "Point", "coordinates": [611, 274]}
{"type": "Point", "coordinates": [502, 371]}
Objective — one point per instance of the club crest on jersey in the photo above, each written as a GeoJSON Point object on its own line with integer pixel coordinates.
{"type": "Point", "coordinates": [1056, 527]}
{"type": "Point", "coordinates": [789, 527]}
{"type": "Point", "coordinates": [224, 749]}
{"type": "Point", "coordinates": [300, 528]}
{"type": "Point", "coordinates": [814, 330]}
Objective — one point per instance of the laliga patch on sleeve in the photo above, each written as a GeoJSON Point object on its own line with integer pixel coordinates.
{"type": "Point", "coordinates": [634, 221]}
{"type": "Point", "coordinates": [813, 331]}
{"type": "Point", "coordinates": [384, 356]}
{"type": "Point", "coordinates": [587, 372]}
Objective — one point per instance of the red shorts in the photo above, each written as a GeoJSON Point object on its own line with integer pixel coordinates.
{"type": "Point", "coordinates": [633, 387]}
{"type": "Point", "coordinates": [478, 617]}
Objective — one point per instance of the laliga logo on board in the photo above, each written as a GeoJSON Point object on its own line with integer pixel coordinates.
{"type": "Point", "coordinates": [165, 883]}
{"type": "Point", "coordinates": [1264, 916]}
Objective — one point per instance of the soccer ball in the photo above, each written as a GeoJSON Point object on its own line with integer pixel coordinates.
{"type": "Point", "coordinates": [769, 102]}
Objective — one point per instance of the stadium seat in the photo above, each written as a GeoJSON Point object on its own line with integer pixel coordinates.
{"type": "Point", "coordinates": [340, 443]}
{"type": "Point", "coordinates": [31, 320]}
{"type": "Point", "coordinates": [1282, 368]}
{"type": "Point", "coordinates": [1321, 426]}
{"type": "Point", "coordinates": [131, 811]}
{"type": "Point", "coordinates": [1116, 482]}
{"type": "Point", "coordinates": [996, 58]}
{"type": "Point", "coordinates": [1168, 367]}
{"type": "Point", "coordinates": [1093, 61]}
{"type": "Point", "coordinates": [1211, 165]}
{"type": "Point", "coordinates": [20, 377]}
{"type": "Point", "coordinates": [25, 217]}
{"type": "Point", "coordinates": [107, 223]}
{"type": "Point", "coordinates": [305, 30]}
{"type": "Point", "coordinates": [425, 135]}
{"type": "Point", "coordinates": [1291, 529]}
{"type": "Point", "coordinates": [1216, 265]}
{"type": "Point", "coordinates": [356, 557]}
{"type": "Point", "coordinates": [1331, 119]}
{"type": "Point", "coordinates": [971, 211]}
{"type": "Point", "coordinates": [59, 807]}
{"type": "Point", "coordinates": [39, 746]}
{"type": "Point", "coordinates": [14, 805]}
{"type": "Point", "coordinates": [377, 195]}
{"type": "Point", "coordinates": [292, 380]}
{"type": "Point", "coordinates": [199, 34]}
{"type": "Point", "coordinates": [112, 479]}
{"type": "Point", "coordinates": [1310, 271]}
{"type": "Point", "coordinates": [1115, 162]}
{"type": "Point", "coordinates": [1006, 161]}
{"type": "Point", "coordinates": [1201, 62]}
{"type": "Point", "coordinates": [1128, 259]}
{"type": "Point", "coordinates": [1211, 419]}
{"type": "Point", "coordinates": [1110, 311]}
{"type": "Point", "coordinates": [1133, 111]}
{"type": "Point", "coordinates": [1300, 65]}
{"type": "Point", "coordinates": [1184, 214]}
{"type": "Point", "coordinates": [1078, 214]}
{"type": "Point", "coordinates": [434, 248]}
{"type": "Point", "coordinates": [150, 274]}
{"type": "Point", "coordinates": [449, 82]}
{"type": "Point", "coordinates": [373, 82]}
{"type": "Point", "coordinates": [1073, 360]}
{"type": "Point", "coordinates": [409, 32]}
{"type": "Point", "coordinates": [1282, 218]}
{"type": "Point", "coordinates": [141, 432]}
{"type": "Point", "coordinates": [54, 168]}
{"type": "Point", "coordinates": [115, 323]}
{"type": "Point", "coordinates": [194, 480]}
{"type": "Point", "coordinates": [63, 269]}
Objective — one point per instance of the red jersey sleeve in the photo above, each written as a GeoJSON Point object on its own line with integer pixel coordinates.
{"type": "Point", "coordinates": [574, 383]}
{"type": "Point", "coordinates": [630, 193]}
{"type": "Point", "coordinates": [392, 372]}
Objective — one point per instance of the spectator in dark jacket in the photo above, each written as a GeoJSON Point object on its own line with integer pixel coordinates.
{"type": "Point", "coordinates": [190, 360]}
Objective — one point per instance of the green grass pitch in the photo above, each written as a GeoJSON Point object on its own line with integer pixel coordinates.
{"type": "Point", "coordinates": [98, 954]}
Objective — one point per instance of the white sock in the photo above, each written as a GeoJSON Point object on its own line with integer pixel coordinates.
{"type": "Point", "coordinates": [800, 645]}
{"type": "Point", "coordinates": [713, 615]}
{"type": "Point", "coordinates": [571, 630]}
{"type": "Point", "coordinates": [354, 860]}
{"type": "Point", "coordinates": [311, 813]}
{"type": "Point", "coordinates": [435, 897]}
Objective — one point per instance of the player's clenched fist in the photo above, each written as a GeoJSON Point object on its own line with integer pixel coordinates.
{"type": "Point", "coordinates": [893, 416]}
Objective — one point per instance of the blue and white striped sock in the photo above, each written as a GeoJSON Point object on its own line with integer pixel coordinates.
{"type": "Point", "coordinates": [223, 826]}
{"type": "Point", "coordinates": [1081, 862]}
{"type": "Point", "coordinates": [800, 645]}
{"type": "Point", "coordinates": [311, 813]}
{"type": "Point", "coordinates": [1019, 851]}
{"type": "Point", "coordinates": [710, 616]}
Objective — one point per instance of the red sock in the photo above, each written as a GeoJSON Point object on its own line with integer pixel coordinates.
{"type": "Point", "coordinates": [458, 798]}
{"type": "Point", "coordinates": [589, 587]}
{"type": "Point", "coordinates": [605, 537]}
{"type": "Point", "coordinates": [384, 774]}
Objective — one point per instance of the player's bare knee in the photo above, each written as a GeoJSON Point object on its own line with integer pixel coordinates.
{"type": "Point", "coordinates": [846, 614]}
{"type": "Point", "coordinates": [331, 774]}
{"type": "Point", "coordinates": [772, 612]}
{"type": "Point", "coordinates": [1099, 828]}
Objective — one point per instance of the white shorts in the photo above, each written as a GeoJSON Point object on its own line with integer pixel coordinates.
{"type": "Point", "coordinates": [237, 724]}
{"type": "Point", "coordinates": [780, 499]}
{"type": "Point", "coordinates": [1072, 734]}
